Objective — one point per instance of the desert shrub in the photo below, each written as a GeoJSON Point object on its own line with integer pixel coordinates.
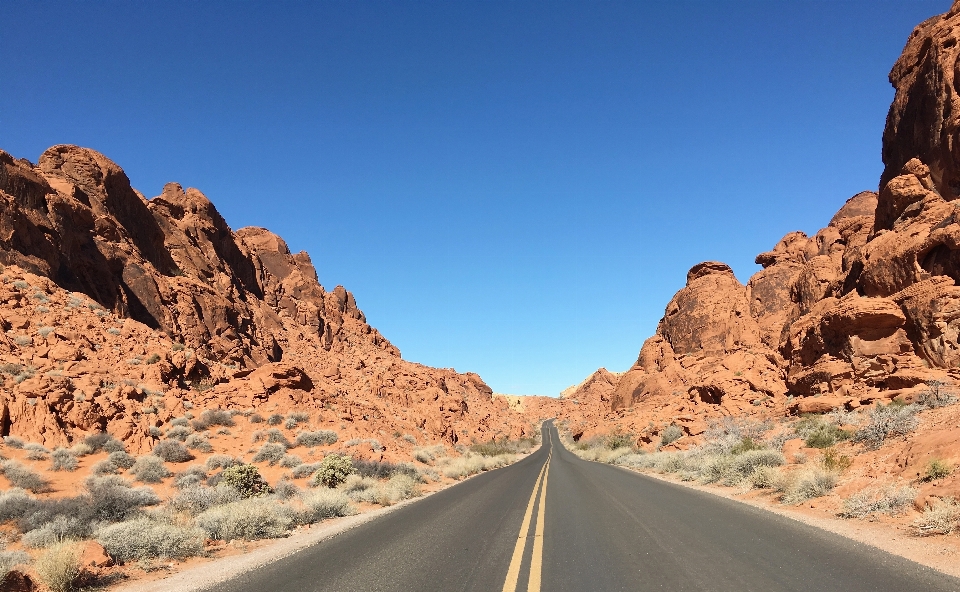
{"type": "Point", "coordinates": [401, 487]}
{"type": "Point", "coordinates": [275, 419]}
{"type": "Point", "coordinates": [193, 475]}
{"type": "Point", "coordinates": [275, 436]}
{"type": "Point", "coordinates": [246, 479]}
{"type": "Point", "coordinates": [221, 461]}
{"type": "Point", "coordinates": [256, 418]}
{"type": "Point", "coordinates": [322, 503]}
{"type": "Point", "coordinates": [81, 449]}
{"type": "Point", "coordinates": [602, 454]}
{"type": "Point", "coordinates": [58, 530]}
{"type": "Point", "coordinates": [352, 442]}
{"type": "Point", "coordinates": [940, 518]}
{"type": "Point", "coordinates": [150, 469]}
{"type": "Point", "coordinates": [495, 448]}
{"type": "Point", "coordinates": [11, 559]}
{"type": "Point", "coordinates": [102, 441]}
{"type": "Point", "coordinates": [672, 433]}
{"type": "Point", "coordinates": [886, 422]}
{"type": "Point", "coordinates": [13, 442]}
{"type": "Point", "coordinates": [152, 359]}
{"type": "Point", "coordinates": [285, 489]}
{"type": "Point", "coordinates": [213, 417]}
{"type": "Point", "coordinates": [936, 395]}
{"type": "Point", "coordinates": [179, 433]}
{"type": "Point", "coordinates": [36, 451]}
{"type": "Point", "coordinates": [296, 418]}
{"type": "Point", "coordinates": [305, 470]}
{"type": "Point", "coordinates": [409, 439]}
{"type": "Point", "coordinates": [464, 466]}
{"type": "Point", "coordinates": [199, 443]}
{"type": "Point", "coordinates": [63, 460]}
{"type": "Point", "coordinates": [271, 453]}
{"type": "Point", "coordinates": [248, 519]}
{"type": "Point", "coordinates": [887, 500]}
{"type": "Point", "coordinates": [59, 566]}
{"type": "Point", "coordinates": [172, 451]}
{"type": "Point", "coordinates": [936, 469]}
{"type": "Point", "coordinates": [333, 470]}
{"type": "Point", "coordinates": [113, 500]}
{"type": "Point", "coordinates": [104, 467]}
{"type": "Point", "coordinates": [814, 483]}
{"type": "Point", "coordinates": [381, 469]}
{"type": "Point", "coordinates": [428, 454]}
{"type": "Point", "coordinates": [318, 438]}
{"type": "Point", "coordinates": [362, 489]}
{"type": "Point", "coordinates": [834, 462]}
{"type": "Point", "coordinates": [24, 478]}
{"type": "Point", "coordinates": [144, 538]}
{"type": "Point", "coordinates": [180, 422]}
{"type": "Point", "coordinates": [620, 440]}
{"type": "Point", "coordinates": [288, 461]}
{"type": "Point", "coordinates": [121, 459]}
{"type": "Point", "coordinates": [15, 503]}
{"type": "Point", "coordinates": [196, 499]}
{"type": "Point", "coordinates": [743, 465]}
{"type": "Point", "coordinates": [764, 477]}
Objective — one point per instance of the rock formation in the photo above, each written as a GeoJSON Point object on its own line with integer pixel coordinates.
{"type": "Point", "coordinates": [119, 312]}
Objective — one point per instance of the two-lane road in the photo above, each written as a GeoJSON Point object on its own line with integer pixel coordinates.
{"type": "Point", "coordinates": [553, 522]}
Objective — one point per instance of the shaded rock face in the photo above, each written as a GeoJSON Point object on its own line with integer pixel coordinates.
{"type": "Point", "coordinates": [119, 313]}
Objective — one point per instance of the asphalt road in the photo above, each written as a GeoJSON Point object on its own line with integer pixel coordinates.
{"type": "Point", "coordinates": [583, 526]}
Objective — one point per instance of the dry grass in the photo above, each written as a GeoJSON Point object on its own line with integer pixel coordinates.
{"type": "Point", "coordinates": [59, 566]}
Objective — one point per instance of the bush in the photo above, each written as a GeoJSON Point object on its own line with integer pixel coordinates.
{"type": "Point", "coordinates": [428, 454]}
{"type": "Point", "coordinates": [305, 470]}
{"type": "Point", "coordinates": [831, 461]}
{"type": "Point", "coordinates": [194, 475]}
{"type": "Point", "coordinates": [36, 451]}
{"type": "Point", "coordinates": [172, 451]}
{"type": "Point", "coordinates": [179, 433]}
{"type": "Point", "coordinates": [271, 453]}
{"type": "Point", "coordinates": [494, 448]}
{"type": "Point", "coordinates": [409, 439]}
{"type": "Point", "coordinates": [886, 422]}
{"type": "Point", "coordinates": [276, 436]}
{"type": "Point", "coordinates": [935, 396]}
{"type": "Point", "coordinates": [940, 518]}
{"type": "Point", "coordinates": [56, 531]}
{"type": "Point", "coordinates": [121, 459]}
{"type": "Point", "coordinates": [246, 479]}
{"type": "Point", "coordinates": [199, 443]}
{"type": "Point", "coordinates": [150, 469]}
{"type": "Point", "coordinates": [464, 466]}
{"type": "Point", "coordinates": [275, 419]}
{"type": "Point", "coordinates": [889, 500]}
{"type": "Point", "coordinates": [248, 519]}
{"type": "Point", "coordinates": [22, 477]}
{"type": "Point", "coordinates": [11, 559]}
{"type": "Point", "coordinates": [104, 467]}
{"type": "Point", "coordinates": [620, 440]}
{"type": "Point", "coordinates": [814, 483]}
{"type": "Point", "coordinates": [221, 461]}
{"type": "Point", "coordinates": [59, 566]}
{"type": "Point", "coordinates": [936, 470]}
{"type": "Point", "coordinates": [15, 503]}
{"type": "Point", "coordinates": [13, 442]}
{"type": "Point", "coordinates": [323, 503]}
{"type": "Point", "coordinates": [102, 441]}
{"type": "Point", "coordinates": [63, 460]}
{"type": "Point", "coordinates": [113, 500]}
{"type": "Point", "coordinates": [256, 418]}
{"type": "Point", "coordinates": [144, 539]}
{"type": "Point", "coordinates": [671, 434]}
{"type": "Point", "coordinates": [286, 489]}
{"type": "Point", "coordinates": [381, 469]}
{"type": "Point", "coordinates": [318, 438]}
{"type": "Point", "coordinates": [290, 461]}
{"type": "Point", "coordinates": [296, 418]}
{"type": "Point", "coordinates": [213, 417]}
{"type": "Point", "coordinates": [197, 499]}
{"type": "Point", "coordinates": [333, 470]}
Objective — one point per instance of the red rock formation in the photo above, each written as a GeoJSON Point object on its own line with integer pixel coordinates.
{"type": "Point", "coordinates": [120, 313]}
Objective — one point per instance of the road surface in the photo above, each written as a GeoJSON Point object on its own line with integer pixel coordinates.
{"type": "Point", "coordinates": [553, 522]}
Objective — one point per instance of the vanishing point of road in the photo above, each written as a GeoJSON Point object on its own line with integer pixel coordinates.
{"type": "Point", "coordinates": [553, 522]}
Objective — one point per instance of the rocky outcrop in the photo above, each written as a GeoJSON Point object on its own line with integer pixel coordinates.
{"type": "Point", "coordinates": [120, 312]}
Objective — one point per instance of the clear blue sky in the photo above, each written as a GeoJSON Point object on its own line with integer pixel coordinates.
{"type": "Point", "coordinates": [511, 188]}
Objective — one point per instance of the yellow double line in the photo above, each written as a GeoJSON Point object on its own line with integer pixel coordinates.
{"type": "Point", "coordinates": [536, 562]}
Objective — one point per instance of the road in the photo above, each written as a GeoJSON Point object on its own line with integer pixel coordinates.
{"type": "Point", "coordinates": [554, 522]}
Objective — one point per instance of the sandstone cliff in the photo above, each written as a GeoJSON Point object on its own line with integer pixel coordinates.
{"type": "Point", "coordinates": [120, 312]}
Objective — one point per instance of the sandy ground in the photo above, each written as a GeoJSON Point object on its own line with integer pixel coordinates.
{"type": "Point", "coordinates": [938, 552]}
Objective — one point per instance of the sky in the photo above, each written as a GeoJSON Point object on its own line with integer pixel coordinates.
{"type": "Point", "coordinates": [515, 188]}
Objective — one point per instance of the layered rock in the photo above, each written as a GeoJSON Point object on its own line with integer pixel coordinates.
{"type": "Point", "coordinates": [120, 312]}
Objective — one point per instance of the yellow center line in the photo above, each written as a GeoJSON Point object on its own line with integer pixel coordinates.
{"type": "Point", "coordinates": [513, 572]}
{"type": "Point", "coordinates": [536, 562]}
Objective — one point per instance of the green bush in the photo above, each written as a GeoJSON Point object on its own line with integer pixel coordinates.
{"type": "Point", "coordinates": [333, 470]}
{"type": "Point", "coordinates": [936, 470]}
{"type": "Point", "coordinates": [246, 479]}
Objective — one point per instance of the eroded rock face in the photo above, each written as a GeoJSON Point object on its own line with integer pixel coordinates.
{"type": "Point", "coordinates": [120, 312]}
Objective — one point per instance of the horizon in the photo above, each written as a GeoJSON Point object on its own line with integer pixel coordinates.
{"type": "Point", "coordinates": [515, 190]}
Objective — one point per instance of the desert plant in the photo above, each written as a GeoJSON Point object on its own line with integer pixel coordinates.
{"type": "Point", "coordinates": [104, 467]}
{"type": "Point", "coordinates": [936, 469]}
{"type": "Point", "coordinates": [150, 469]}
{"type": "Point", "coordinates": [112, 499]}
{"type": "Point", "coordinates": [24, 478]}
{"type": "Point", "coordinates": [671, 433]}
{"type": "Point", "coordinates": [936, 395]}
{"type": "Point", "coordinates": [271, 453]}
{"type": "Point", "coordinates": [887, 500]}
{"type": "Point", "coordinates": [333, 470]}
{"type": "Point", "coordinates": [193, 475]}
{"type": "Point", "coordinates": [63, 460]}
{"type": "Point", "coordinates": [103, 441]}
{"type": "Point", "coordinates": [199, 443]}
{"type": "Point", "coordinates": [382, 469]}
{"type": "Point", "coordinates": [11, 559]}
{"type": "Point", "coordinates": [13, 442]}
{"type": "Point", "coordinates": [318, 438]}
{"type": "Point", "coordinates": [275, 419]}
{"type": "Point", "coordinates": [409, 439]}
{"type": "Point", "coordinates": [289, 461]}
{"type": "Point", "coordinates": [305, 470]}
{"type": "Point", "coordinates": [179, 433]}
{"type": "Point", "coordinates": [59, 566]}
{"type": "Point", "coordinates": [620, 440]}
{"type": "Point", "coordinates": [213, 417]}
{"type": "Point", "coordinates": [322, 503]}
{"type": "Point", "coordinates": [940, 518]}
{"type": "Point", "coordinates": [145, 538]}
{"type": "Point", "coordinates": [256, 418]}
{"type": "Point", "coordinates": [196, 499]}
{"type": "Point", "coordinates": [834, 462]}
{"type": "Point", "coordinates": [36, 451]}
{"type": "Point", "coordinates": [221, 461]}
{"type": "Point", "coordinates": [813, 483]}
{"type": "Point", "coordinates": [246, 479]}
{"type": "Point", "coordinates": [248, 519]}
{"type": "Point", "coordinates": [886, 421]}
{"type": "Point", "coordinates": [285, 489]}
{"type": "Point", "coordinates": [172, 451]}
